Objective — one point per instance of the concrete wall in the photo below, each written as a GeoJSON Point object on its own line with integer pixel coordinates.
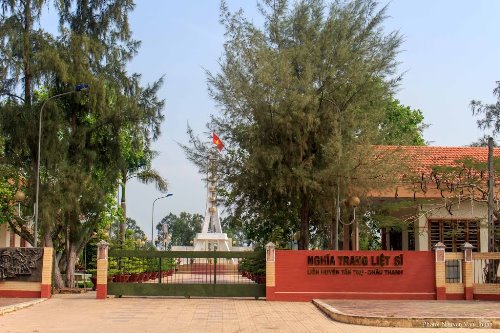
{"type": "Point", "coordinates": [363, 276]}
{"type": "Point", "coordinates": [40, 289]}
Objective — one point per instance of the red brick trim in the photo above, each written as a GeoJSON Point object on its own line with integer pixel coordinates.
{"type": "Point", "coordinates": [19, 294]}
{"type": "Point", "coordinates": [469, 293]}
{"type": "Point", "coordinates": [101, 291]}
{"type": "Point", "coordinates": [270, 295]}
{"type": "Point", "coordinates": [441, 293]}
{"type": "Point", "coordinates": [455, 297]}
{"type": "Point", "coordinates": [487, 297]}
{"type": "Point", "coordinates": [45, 291]}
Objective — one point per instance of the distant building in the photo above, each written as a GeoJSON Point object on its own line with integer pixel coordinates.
{"type": "Point", "coordinates": [9, 239]}
{"type": "Point", "coordinates": [448, 191]}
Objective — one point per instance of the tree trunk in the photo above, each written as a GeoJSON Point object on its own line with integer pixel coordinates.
{"type": "Point", "coordinates": [70, 265]}
{"type": "Point", "coordinates": [57, 272]}
{"type": "Point", "coordinates": [304, 221]}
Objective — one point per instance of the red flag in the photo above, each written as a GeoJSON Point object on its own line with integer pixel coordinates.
{"type": "Point", "coordinates": [217, 142]}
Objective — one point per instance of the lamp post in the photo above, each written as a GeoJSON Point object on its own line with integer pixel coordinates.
{"type": "Point", "coordinates": [354, 203]}
{"type": "Point", "coordinates": [78, 88]}
{"type": "Point", "coordinates": [19, 197]}
{"type": "Point", "coordinates": [153, 214]}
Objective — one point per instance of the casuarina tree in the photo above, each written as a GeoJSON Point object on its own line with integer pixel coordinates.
{"type": "Point", "coordinates": [301, 98]}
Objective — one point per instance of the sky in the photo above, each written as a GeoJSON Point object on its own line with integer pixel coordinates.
{"type": "Point", "coordinates": [450, 56]}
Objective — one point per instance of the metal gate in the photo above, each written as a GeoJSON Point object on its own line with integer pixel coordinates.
{"type": "Point", "coordinates": [186, 273]}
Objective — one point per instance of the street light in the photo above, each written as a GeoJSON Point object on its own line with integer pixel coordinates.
{"type": "Point", "coordinates": [78, 87]}
{"type": "Point", "coordinates": [19, 197]}
{"type": "Point", "coordinates": [153, 214]}
{"type": "Point", "coordinates": [353, 202]}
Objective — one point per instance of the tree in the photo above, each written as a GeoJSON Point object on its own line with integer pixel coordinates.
{"type": "Point", "coordinates": [82, 151]}
{"type": "Point", "coordinates": [490, 120]}
{"type": "Point", "coordinates": [23, 49]}
{"type": "Point", "coordinates": [482, 142]}
{"type": "Point", "coordinates": [27, 54]}
{"type": "Point", "coordinates": [181, 229]}
{"type": "Point", "coordinates": [135, 142]}
{"type": "Point", "coordinates": [489, 113]}
{"type": "Point", "coordinates": [401, 125]}
{"type": "Point", "coordinates": [132, 235]}
{"type": "Point", "coordinates": [302, 100]}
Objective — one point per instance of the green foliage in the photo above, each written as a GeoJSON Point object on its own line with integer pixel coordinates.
{"type": "Point", "coordinates": [83, 150]}
{"type": "Point", "coordinates": [7, 188]}
{"type": "Point", "coordinates": [7, 192]}
{"type": "Point", "coordinates": [256, 265]}
{"type": "Point", "coordinates": [301, 102]}
{"type": "Point", "coordinates": [181, 229]}
{"type": "Point", "coordinates": [369, 235]}
{"type": "Point", "coordinates": [402, 125]}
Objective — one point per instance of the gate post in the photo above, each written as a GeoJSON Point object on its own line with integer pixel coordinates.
{"type": "Point", "coordinates": [270, 271]}
{"type": "Point", "coordinates": [102, 270]}
{"type": "Point", "coordinates": [468, 277]}
{"type": "Point", "coordinates": [440, 271]}
{"type": "Point", "coordinates": [46, 285]}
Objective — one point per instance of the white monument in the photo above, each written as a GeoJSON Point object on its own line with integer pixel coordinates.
{"type": "Point", "coordinates": [211, 236]}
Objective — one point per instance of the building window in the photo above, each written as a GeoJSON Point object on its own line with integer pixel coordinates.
{"type": "Point", "coordinates": [454, 233]}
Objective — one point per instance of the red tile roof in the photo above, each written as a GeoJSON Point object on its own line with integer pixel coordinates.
{"type": "Point", "coordinates": [423, 158]}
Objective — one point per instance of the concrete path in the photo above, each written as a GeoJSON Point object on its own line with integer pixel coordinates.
{"type": "Point", "coordinates": [83, 313]}
{"type": "Point", "coordinates": [432, 314]}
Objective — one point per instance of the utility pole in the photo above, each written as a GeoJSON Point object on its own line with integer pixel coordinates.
{"type": "Point", "coordinates": [337, 220]}
{"type": "Point", "coordinates": [491, 185]}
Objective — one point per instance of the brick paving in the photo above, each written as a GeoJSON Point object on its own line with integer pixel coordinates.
{"type": "Point", "coordinates": [418, 309]}
{"type": "Point", "coordinates": [83, 313]}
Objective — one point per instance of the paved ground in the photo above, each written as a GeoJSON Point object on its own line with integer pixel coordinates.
{"type": "Point", "coordinates": [419, 314]}
{"type": "Point", "coordinates": [83, 313]}
{"type": "Point", "coordinates": [13, 301]}
{"type": "Point", "coordinates": [422, 309]}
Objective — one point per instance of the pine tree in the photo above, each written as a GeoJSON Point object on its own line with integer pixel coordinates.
{"type": "Point", "coordinates": [301, 102]}
{"type": "Point", "coordinates": [82, 154]}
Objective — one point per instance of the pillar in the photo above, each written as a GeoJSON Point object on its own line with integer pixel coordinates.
{"type": "Point", "coordinates": [46, 286]}
{"type": "Point", "coordinates": [345, 243]}
{"type": "Point", "coordinates": [467, 274]}
{"type": "Point", "coordinates": [440, 271]}
{"type": "Point", "coordinates": [102, 270]}
{"type": "Point", "coordinates": [383, 239]}
{"type": "Point", "coordinates": [355, 236]}
{"type": "Point", "coordinates": [270, 271]}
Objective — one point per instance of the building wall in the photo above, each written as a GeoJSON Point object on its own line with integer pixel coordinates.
{"type": "Point", "coordinates": [466, 210]}
{"type": "Point", "coordinates": [10, 239]}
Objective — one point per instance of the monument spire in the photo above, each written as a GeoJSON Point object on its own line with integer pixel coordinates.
{"type": "Point", "coordinates": [211, 223]}
{"type": "Point", "coordinates": [211, 236]}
